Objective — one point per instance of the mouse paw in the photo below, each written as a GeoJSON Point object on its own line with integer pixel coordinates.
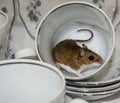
{"type": "Point", "coordinates": [58, 66]}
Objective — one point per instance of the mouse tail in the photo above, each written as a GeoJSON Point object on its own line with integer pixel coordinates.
{"type": "Point", "coordinates": [85, 40]}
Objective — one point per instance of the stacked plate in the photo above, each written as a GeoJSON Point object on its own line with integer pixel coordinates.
{"type": "Point", "coordinates": [92, 90]}
{"type": "Point", "coordinates": [104, 84]}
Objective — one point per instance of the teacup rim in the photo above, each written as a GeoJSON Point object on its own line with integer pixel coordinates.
{"type": "Point", "coordinates": [6, 16]}
{"type": "Point", "coordinates": [84, 3]}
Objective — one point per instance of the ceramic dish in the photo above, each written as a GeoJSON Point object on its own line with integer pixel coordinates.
{"type": "Point", "coordinates": [92, 89]}
{"type": "Point", "coordinates": [110, 99]}
{"type": "Point", "coordinates": [92, 96]}
{"type": "Point", "coordinates": [63, 28]}
{"type": "Point", "coordinates": [30, 81]}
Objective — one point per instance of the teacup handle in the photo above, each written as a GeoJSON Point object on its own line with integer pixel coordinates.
{"type": "Point", "coordinates": [27, 53]}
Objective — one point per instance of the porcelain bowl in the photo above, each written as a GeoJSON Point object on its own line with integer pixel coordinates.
{"type": "Point", "coordinates": [30, 81]}
{"type": "Point", "coordinates": [61, 23]}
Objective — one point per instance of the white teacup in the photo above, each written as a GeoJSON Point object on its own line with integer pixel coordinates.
{"type": "Point", "coordinates": [63, 21]}
{"type": "Point", "coordinates": [30, 81]}
{"type": "Point", "coordinates": [3, 35]}
{"type": "Point", "coordinates": [27, 53]}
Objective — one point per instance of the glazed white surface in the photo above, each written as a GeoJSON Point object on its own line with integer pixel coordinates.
{"type": "Point", "coordinates": [24, 40]}
{"type": "Point", "coordinates": [28, 84]}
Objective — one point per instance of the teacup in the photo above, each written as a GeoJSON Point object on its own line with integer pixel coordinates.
{"type": "Point", "coordinates": [3, 35]}
{"type": "Point", "coordinates": [30, 81]}
{"type": "Point", "coordinates": [27, 53]}
{"type": "Point", "coordinates": [63, 22]}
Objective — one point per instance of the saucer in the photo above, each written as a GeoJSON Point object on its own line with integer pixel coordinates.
{"type": "Point", "coordinates": [32, 11]}
{"type": "Point", "coordinates": [93, 89]}
{"type": "Point", "coordinates": [92, 96]}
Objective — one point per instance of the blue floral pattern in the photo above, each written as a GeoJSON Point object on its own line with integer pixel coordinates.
{"type": "Point", "coordinates": [33, 11]}
{"type": "Point", "coordinates": [4, 9]}
{"type": "Point", "coordinates": [98, 2]}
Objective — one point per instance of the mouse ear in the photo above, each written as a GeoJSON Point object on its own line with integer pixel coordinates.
{"type": "Point", "coordinates": [81, 52]}
{"type": "Point", "coordinates": [84, 46]}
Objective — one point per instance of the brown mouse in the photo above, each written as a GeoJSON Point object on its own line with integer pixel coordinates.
{"type": "Point", "coordinates": [69, 53]}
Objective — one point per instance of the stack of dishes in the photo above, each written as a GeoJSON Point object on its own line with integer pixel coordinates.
{"type": "Point", "coordinates": [97, 87]}
{"type": "Point", "coordinates": [93, 90]}
{"type": "Point", "coordinates": [94, 82]}
{"type": "Point", "coordinates": [104, 84]}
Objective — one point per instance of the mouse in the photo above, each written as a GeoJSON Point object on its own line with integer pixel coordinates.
{"type": "Point", "coordinates": [67, 52]}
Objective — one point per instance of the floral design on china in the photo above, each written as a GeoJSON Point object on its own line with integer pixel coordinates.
{"type": "Point", "coordinates": [4, 9]}
{"type": "Point", "coordinates": [99, 3]}
{"type": "Point", "coordinates": [33, 10]}
{"type": "Point", "coordinates": [11, 54]}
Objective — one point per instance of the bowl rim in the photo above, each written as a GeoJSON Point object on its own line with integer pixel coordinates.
{"type": "Point", "coordinates": [81, 3]}
{"type": "Point", "coordinates": [39, 63]}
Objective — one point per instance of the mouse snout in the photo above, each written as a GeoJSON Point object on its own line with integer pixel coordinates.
{"type": "Point", "coordinates": [101, 61]}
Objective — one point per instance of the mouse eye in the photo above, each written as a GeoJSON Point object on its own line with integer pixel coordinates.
{"type": "Point", "coordinates": [91, 57]}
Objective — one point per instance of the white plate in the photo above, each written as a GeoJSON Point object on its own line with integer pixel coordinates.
{"type": "Point", "coordinates": [92, 89]}
{"type": "Point", "coordinates": [111, 99]}
{"type": "Point", "coordinates": [92, 96]}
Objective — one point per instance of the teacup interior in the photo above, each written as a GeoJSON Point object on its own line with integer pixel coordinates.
{"type": "Point", "coordinates": [28, 83]}
{"type": "Point", "coordinates": [63, 22]}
